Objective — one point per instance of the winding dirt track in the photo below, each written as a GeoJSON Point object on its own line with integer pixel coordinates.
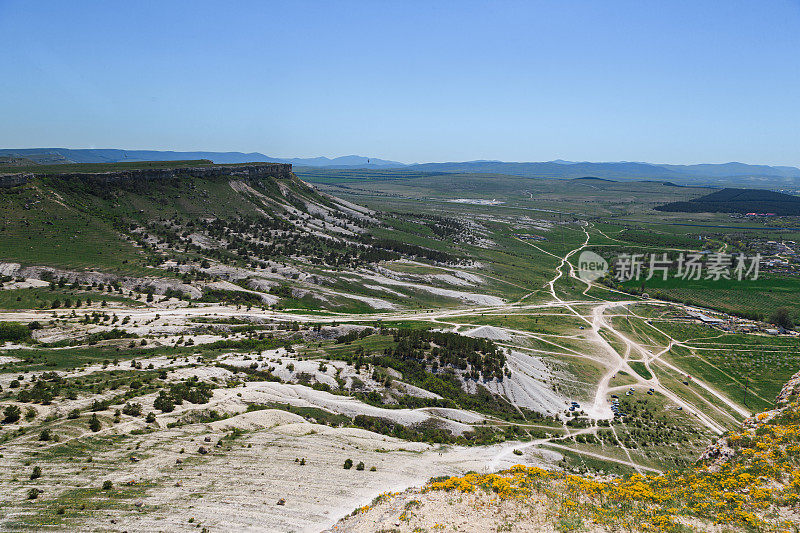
{"type": "Point", "coordinates": [599, 329]}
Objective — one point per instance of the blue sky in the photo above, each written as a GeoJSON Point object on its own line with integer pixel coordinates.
{"type": "Point", "coordinates": [666, 82]}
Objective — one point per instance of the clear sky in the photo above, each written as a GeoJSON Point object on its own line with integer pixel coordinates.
{"type": "Point", "coordinates": [666, 82]}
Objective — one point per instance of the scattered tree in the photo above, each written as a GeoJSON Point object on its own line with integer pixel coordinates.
{"type": "Point", "coordinates": [12, 414]}
{"type": "Point", "coordinates": [782, 317]}
{"type": "Point", "coordinates": [132, 409]}
{"type": "Point", "coordinates": [94, 423]}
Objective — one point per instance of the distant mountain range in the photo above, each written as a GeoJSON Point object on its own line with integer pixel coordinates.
{"type": "Point", "coordinates": [709, 174]}
{"type": "Point", "coordinates": [49, 156]}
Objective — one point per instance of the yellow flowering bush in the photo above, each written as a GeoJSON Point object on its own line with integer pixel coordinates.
{"type": "Point", "coordinates": [749, 491]}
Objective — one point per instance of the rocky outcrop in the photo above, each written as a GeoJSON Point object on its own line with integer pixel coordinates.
{"type": "Point", "coordinates": [789, 392]}
{"type": "Point", "coordinates": [717, 453]}
{"type": "Point", "coordinates": [246, 171]}
{"type": "Point", "coordinates": [720, 451]}
{"type": "Point", "coordinates": [158, 285]}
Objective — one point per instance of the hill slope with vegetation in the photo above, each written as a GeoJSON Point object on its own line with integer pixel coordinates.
{"type": "Point", "coordinates": [739, 201]}
{"type": "Point", "coordinates": [193, 223]}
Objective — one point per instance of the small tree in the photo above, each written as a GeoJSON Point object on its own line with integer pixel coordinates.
{"type": "Point", "coordinates": [45, 435]}
{"type": "Point", "coordinates": [107, 485]}
{"type": "Point", "coordinates": [37, 473]}
{"type": "Point", "coordinates": [164, 403]}
{"type": "Point", "coordinates": [348, 464]}
{"type": "Point", "coordinates": [132, 409]}
{"type": "Point", "coordinates": [94, 423]}
{"type": "Point", "coordinates": [782, 317]}
{"type": "Point", "coordinates": [360, 465]}
{"type": "Point", "coordinates": [12, 414]}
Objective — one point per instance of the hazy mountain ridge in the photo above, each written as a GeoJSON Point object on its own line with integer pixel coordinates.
{"type": "Point", "coordinates": [113, 155]}
{"type": "Point", "coordinates": [762, 175]}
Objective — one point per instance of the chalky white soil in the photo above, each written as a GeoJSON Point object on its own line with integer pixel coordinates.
{"type": "Point", "coordinates": [238, 488]}
{"type": "Point", "coordinates": [441, 511]}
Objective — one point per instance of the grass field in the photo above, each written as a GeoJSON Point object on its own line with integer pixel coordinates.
{"type": "Point", "coordinates": [38, 228]}
{"type": "Point", "coordinates": [748, 297]}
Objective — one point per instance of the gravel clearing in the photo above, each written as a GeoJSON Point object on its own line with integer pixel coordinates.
{"type": "Point", "coordinates": [489, 332]}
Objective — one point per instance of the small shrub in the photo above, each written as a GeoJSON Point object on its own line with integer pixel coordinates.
{"type": "Point", "coordinates": [33, 494]}
{"type": "Point", "coordinates": [12, 414]}
{"type": "Point", "coordinates": [107, 485]}
{"type": "Point", "coordinates": [37, 473]}
{"type": "Point", "coordinates": [94, 423]}
{"type": "Point", "coordinates": [132, 409]}
{"type": "Point", "coordinates": [14, 332]}
{"type": "Point", "coordinates": [45, 435]}
{"type": "Point", "coordinates": [348, 464]}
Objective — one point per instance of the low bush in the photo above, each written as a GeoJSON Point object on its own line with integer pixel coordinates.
{"type": "Point", "coordinates": [12, 414]}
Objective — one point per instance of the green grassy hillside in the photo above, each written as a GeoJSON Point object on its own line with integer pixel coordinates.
{"type": "Point", "coordinates": [73, 223]}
